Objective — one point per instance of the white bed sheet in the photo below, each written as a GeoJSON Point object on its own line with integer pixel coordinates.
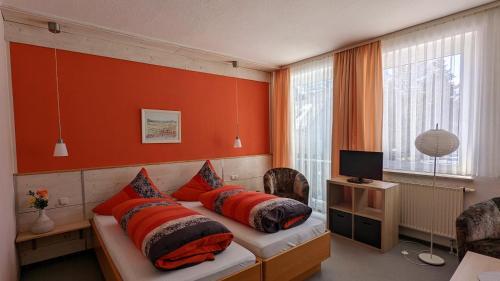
{"type": "Point", "coordinates": [265, 245]}
{"type": "Point", "coordinates": [133, 266]}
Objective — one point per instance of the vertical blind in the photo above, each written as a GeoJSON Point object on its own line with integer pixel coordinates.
{"type": "Point", "coordinates": [311, 88]}
{"type": "Point", "coordinates": [429, 79]}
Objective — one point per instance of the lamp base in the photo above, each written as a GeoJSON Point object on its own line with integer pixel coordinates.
{"type": "Point", "coordinates": [431, 259]}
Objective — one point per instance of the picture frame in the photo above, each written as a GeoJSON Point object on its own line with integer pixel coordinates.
{"type": "Point", "coordinates": [161, 126]}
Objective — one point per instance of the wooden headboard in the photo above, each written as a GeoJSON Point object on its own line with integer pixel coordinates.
{"type": "Point", "coordinates": [85, 189]}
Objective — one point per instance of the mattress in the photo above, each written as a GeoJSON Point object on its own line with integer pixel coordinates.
{"type": "Point", "coordinates": [132, 265]}
{"type": "Point", "coordinates": [265, 245]}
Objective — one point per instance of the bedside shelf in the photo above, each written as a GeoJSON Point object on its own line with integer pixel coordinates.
{"type": "Point", "coordinates": [62, 240]}
{"type": "Point", "coordinates": [27, 235]}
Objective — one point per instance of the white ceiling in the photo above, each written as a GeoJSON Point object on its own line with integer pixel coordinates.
{"type": "Point", "coordinates": [270, 32]}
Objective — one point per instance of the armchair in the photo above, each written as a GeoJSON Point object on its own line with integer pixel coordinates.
{"type": "Point", "coordinates": [478, 229]}
{"type": "Point", "coordinates": [285, 182]}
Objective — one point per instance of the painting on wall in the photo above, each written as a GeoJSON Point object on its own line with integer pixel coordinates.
{"type": "Point", "coordinates": [161, 126]}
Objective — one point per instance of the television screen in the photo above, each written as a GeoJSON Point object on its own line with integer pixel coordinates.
{"type": "Point", "coordinates": [361, 164]}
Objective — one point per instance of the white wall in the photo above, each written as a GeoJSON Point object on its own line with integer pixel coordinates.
{"type": "Point", "coordinates": [8, 260]}
{"type": "Point", "coordinates": [486, 188]}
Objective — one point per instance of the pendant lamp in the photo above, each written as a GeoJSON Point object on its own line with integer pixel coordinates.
{"type": "Point", "coordinates": [60, 149]}
{"type": "Point", "coordinates": [237, 140]}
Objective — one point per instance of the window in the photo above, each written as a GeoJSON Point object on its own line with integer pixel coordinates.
{"type": "Point", "coordinates": [311, 97]}
{"type": "Point", "coordinates": [428, 81]}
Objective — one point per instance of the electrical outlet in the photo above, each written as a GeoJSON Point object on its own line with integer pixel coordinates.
{"type": "Point", "coordinates": [234, 177]}
{"type": "Point", "coordinates": [63, 201]}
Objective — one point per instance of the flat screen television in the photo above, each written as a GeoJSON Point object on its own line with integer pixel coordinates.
{"type": "Point", "coordinates": [363, 166]}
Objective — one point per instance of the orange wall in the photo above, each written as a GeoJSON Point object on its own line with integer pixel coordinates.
{"type": "Point", "coordinates": [101, 101]}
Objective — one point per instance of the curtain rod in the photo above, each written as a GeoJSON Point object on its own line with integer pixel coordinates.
{"type": "Point", "coordinates": [409, 29]}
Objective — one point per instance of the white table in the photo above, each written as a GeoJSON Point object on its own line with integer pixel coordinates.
{"type": "Point", "coordinates": [473, 264]}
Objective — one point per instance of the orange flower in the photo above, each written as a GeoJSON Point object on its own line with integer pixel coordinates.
{"type": "Point", "coordinates": [43, 193]}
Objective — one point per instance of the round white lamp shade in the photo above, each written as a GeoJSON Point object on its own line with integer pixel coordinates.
{"type": "Point", "coordinates": [437, 142]}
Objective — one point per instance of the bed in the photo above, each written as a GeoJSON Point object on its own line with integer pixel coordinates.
{"type": "Point", "coordinates": [292, 254]}
{"type": "Point", "coordinates": [120, 260]}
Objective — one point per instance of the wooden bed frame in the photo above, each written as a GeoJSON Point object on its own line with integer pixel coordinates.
{"type": "Point", "coordinates": [111, 273]}
{"type": "Point", "coordinates": [298, 263]}
{"type": "Point", "coordinates": [295, 264]}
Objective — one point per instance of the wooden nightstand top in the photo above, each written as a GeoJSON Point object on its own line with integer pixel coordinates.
{"type": "Point", "coordinates": [27, 235]}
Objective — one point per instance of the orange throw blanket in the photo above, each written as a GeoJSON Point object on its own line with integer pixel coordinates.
{"type": "Point", "coordinates": [264, 212]}
{"type": "Point", "coordinates": [170, 235]}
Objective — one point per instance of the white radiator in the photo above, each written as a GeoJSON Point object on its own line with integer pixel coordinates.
{"type": "Point", "coordinates": [417, 208]}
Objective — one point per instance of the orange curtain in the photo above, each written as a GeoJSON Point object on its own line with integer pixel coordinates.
{"type": "Point", "coordinates": [358, 101]}
{"type": "Point", "coordinates": [280, 102]}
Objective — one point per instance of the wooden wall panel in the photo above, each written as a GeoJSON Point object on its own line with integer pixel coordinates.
{"type": "Point", "coordinates": [103, 183]}
{"type": "Point", "coordinates": [31, 29]}
{"type": "Point", "coordinates": [88, 188]}
{"type": "Point", "coordinates": [255, 184]}
{"type": "Point", "coordinates": [63, 215]}
{"type": "Point", "coordinates": [59, 185]}
{"type": "Point", "coordinates": [245, 168]}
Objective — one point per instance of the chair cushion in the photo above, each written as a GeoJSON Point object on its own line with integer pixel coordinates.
{"type": "Point", "coordinates": [489, 247]}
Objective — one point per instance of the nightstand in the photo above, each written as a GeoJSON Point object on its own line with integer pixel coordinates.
{"type": "Point", "coordinates": [63, 240]}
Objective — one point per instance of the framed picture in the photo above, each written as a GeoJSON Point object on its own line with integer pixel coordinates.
{"type": "Point", "coordinates": [161, 126]}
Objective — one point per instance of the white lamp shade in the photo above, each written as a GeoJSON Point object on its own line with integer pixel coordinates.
{"type": "Point", "coordinates": [237, 142]}
{"type": "Point", "coordinates": [60, 150]}
{"type": "Point", "coordinates": [437, 143]}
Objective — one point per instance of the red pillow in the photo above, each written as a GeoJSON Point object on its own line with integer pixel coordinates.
{"type": "Point", "coordinates": [205, 180]}
{"type": "Point", "coordinates": [140, 187]}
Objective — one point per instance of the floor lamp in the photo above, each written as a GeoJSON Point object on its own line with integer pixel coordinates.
{"type": "Point", "coordinates": [435, 143]}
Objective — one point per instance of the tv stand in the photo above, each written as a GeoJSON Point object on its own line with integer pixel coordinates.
{"type": "Point", "coordinates": [359, 180]}
{"type": "Point", "coordinates": [351, 214]}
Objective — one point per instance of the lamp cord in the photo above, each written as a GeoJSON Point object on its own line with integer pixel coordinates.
{"type": "Point", "coordinates": [237, 107]}
{"type": "Point", "coordinates": [57, 91]}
